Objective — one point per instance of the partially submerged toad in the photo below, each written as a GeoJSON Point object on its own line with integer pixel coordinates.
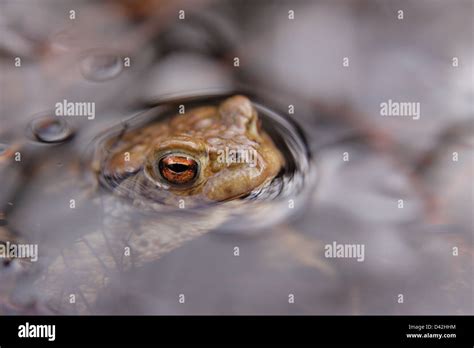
{"type": "Point", "coordinates": [207, 154]}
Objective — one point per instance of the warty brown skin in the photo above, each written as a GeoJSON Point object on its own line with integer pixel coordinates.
{"type": "Point", "coordinates": [204, 134]}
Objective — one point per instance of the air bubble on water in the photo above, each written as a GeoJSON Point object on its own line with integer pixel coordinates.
{"type": "Point", "coordinates": [49, 129]}
{"type": "Point", "coordinates": [101, 66]}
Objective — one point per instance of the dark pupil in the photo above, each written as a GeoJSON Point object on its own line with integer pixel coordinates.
{"type": "Point", "coordinates": [178, 168]}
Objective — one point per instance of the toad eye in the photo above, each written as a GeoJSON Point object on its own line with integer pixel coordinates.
{"type": "Point", "coordinates": [178, 169]}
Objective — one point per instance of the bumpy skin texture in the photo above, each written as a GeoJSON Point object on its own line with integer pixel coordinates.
{"type": "Point", "coordinates": [205, 134]}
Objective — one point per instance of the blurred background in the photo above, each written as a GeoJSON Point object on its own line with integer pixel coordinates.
{"type": "Point", "coordinates": [286, 53]}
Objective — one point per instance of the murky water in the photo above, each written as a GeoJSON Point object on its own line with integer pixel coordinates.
{"type": "Point", "coordinates": [346, 168]}
{"type": "Point", "coordinates": [117, 219]}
